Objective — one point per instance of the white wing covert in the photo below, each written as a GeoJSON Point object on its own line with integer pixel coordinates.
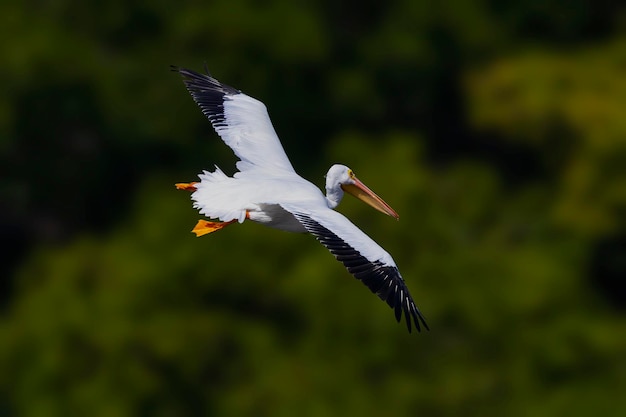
{"type": "Point", "coordinates": [241, 121]}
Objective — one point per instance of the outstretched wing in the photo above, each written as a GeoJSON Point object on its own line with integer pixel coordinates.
{"type": "Point", "coordinates": [364, 259]}
{"type": "Point", "coordinates": [241, 121]}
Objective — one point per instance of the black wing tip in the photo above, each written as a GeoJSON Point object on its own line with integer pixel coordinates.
{"type": "Point", "coordinates": [416, 317]}
{"type": "Point", "coordinates": [412, 315]}
{"type": "Point", "coordinates": [394, 292]}
{"type": "Point", "coordinates": [186, 72]}
{"type": "Point", "coordinates": [197, 82]}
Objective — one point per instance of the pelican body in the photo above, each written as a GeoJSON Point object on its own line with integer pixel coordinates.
{"type": "Point", "coordinates": [267, 190]}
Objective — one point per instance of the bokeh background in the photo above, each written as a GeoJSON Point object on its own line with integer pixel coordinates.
{"type": "Point", "coordinates": [496, 129]}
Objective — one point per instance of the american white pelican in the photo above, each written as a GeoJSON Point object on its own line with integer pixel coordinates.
{"type": "Point", "coordinates": [267, 190]}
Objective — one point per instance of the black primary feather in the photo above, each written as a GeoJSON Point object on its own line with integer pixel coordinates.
{"type": "Point", "coordinates": [208, 93]}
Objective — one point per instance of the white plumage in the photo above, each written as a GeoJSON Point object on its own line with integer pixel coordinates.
{"type": "Point", "coordinates": [266, 189]}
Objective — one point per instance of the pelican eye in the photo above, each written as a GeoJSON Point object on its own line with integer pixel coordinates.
{"type": "Point", "coordinates": [351, 173]}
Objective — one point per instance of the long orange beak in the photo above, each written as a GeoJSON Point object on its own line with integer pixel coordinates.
{"type": "Point", "coordinates": [363, 193]}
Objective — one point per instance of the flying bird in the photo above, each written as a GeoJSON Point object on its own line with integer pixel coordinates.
{"type": "Point", "coordinates": [267, 190]}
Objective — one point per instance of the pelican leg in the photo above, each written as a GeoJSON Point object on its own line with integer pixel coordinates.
{"type": "Point", "coordinates": [191, 186]}
{"type": "Point", "coordinates": [204, 227]}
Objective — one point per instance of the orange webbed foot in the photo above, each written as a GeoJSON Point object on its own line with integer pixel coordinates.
{"type": "Point", "coordinates": [191, 186]}
{"type": "Point", "coordinates": [204, 227]}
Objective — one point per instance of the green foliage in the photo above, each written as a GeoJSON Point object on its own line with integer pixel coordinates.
{"type": "Point", "coordinates": [113, 308]}
{"type": "Point", "coordinates": [569, 106]}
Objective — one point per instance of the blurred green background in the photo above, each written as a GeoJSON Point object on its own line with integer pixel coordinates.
{"type": "Point", "coordinates": [496, 129]}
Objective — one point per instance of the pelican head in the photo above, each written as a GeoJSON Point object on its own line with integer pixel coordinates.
{"type": "Point", "coordinates": [340, 178]}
